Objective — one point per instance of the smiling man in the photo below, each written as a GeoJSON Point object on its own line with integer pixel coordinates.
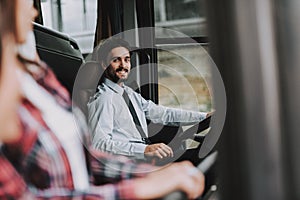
{"type": "Point", "coordinates": [117, 114]}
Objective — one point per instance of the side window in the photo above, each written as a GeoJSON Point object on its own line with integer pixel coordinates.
{"type": "Point", "coordinates": [183, 61]}
{"type": "Point", "coordinates": [184, 77]}
{"type": "Point", "coordinates": [185, 16]}
{"type": "Point", "coordinates": [77, 18]}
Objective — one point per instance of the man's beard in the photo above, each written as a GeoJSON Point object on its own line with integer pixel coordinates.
{"type": "Point", "coordinates": [112, 75]}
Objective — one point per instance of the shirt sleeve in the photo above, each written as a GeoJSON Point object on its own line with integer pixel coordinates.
{"type": "Point", "coordinates": [170, 116]}
{"type": "Point", "coordinates": [12, 185]}
{"type": "Point", "coordinates": [101, 125]}
{"type": "Point", "coordinates": [108, 168]}
{"type": "Point", "coordinates": [122, 190]}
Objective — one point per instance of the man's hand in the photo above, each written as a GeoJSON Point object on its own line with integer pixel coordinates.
{"type": "Point", "coordinates": [210, 114]}
{"type": "Point", "coordinates": [181, 176]}
{"type": "Point", "coordinates": [160, 150]}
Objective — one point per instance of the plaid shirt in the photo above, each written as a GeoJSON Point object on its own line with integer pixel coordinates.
{"type": "Point", "coordinates": [12, 185]}
{"type": "Point", "coordinates": [40, 158]}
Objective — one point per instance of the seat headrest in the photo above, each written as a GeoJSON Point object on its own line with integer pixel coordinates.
{"type": "Point", "coordinates": [89, 75]}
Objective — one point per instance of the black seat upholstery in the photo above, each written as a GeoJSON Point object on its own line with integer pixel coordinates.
{"type": "Point", "coordinates": [60, 52]}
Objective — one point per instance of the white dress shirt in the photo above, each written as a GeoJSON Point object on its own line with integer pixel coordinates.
{"type": "Point", "coordinates": [112, 125]}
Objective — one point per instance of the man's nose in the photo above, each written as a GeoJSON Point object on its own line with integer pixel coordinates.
{"type": "Point", "coordinates": [123, 63]}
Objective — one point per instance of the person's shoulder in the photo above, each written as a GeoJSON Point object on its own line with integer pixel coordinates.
{"type": "Point", "coordinates": [103, 90]}
{"type": "Point", "coordinates": [103, 94]}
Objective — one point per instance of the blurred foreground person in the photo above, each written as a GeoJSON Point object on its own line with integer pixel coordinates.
{"type": "Point", "coordinates": [12, 185]}
{"type": "Point", "coordinates": [49, 153]}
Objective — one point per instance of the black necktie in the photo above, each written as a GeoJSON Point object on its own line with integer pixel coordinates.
{"type": "Point", "coordinates": [135, 118]}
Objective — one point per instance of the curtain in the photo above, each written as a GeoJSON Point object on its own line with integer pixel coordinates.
{"type": "Point", "coordinates": [37, 6]}
{"type": "Point", "coordinates": [109, 19]}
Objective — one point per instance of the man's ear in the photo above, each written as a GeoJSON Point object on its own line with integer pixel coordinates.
{"type": "Point", "coordinates": [103, 65]}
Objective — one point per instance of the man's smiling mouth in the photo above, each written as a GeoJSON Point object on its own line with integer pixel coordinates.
{"type": "Point", "coordinates": [120, 69]}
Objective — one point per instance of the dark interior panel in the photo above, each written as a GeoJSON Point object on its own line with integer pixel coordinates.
{"type": "Point", "coordinates": [60, 52]}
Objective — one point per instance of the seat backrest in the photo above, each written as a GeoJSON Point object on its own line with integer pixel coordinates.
{"type": "Point", "coordinates": [60, 52]}
{"type": "Point", "coordinates": [86, 83]}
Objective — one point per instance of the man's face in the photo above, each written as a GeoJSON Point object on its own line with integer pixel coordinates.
{"type": "Point", "coordinates": [118, 64]}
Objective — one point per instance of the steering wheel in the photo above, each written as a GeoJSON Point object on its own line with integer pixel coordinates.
{"type": "Point", "coordinates": [204, 167]}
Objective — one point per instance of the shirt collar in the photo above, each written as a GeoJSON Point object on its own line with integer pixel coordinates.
{"type": "Point", "coordinates": [114, 86]}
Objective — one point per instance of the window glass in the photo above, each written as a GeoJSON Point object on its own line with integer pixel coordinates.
{"type": "Point", "coordinates": [186, 16]}
{"type": "Point", "coordinates": [184, 77]}
{"type": "Point", "coordinates": [77, 18]}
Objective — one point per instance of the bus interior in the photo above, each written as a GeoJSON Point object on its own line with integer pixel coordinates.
{"type": "Point", "coordinates": [239, 58]}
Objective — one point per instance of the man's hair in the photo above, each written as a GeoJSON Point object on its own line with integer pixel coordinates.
{"type": "Point", "coordinates": [106, 46]}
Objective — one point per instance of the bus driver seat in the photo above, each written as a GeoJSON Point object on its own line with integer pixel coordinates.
{"type": "Point", "coordinates": [86, 83]}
